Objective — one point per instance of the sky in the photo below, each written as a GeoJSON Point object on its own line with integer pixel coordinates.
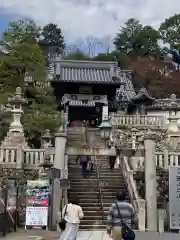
{"type": "Point", "coordinates": [81, 18]}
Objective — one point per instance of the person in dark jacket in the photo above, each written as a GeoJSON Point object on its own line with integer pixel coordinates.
{"type": "Point", "coordinates": [84, 163]}
{"type": "Point", "coordinates": [114, 221]}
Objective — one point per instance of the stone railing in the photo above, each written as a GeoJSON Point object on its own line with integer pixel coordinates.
{"type": "Point", "coordinates": [29, 158]}
{"type": "Point", "coordinates": [167, 159]}
{"type": "Point", "coordinates": [34, 157]}
{"type": "Point", "coordinates": [8, 155]}
{"type": "Point", "coordinates": [138, 121]}
{"type": "Point", "coordinates": [164, 160]}
{"type": "Point", "coordinates": [138, 203]}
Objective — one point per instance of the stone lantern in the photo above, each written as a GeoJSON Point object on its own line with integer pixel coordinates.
{"type": "Point", "coordinates": [17, 101]}
{"type": "Point", "coordinates": [46, 139]}
{"type": "Point", "coordinates": [105, 129]}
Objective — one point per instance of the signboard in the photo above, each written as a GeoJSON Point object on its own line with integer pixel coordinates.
{"type": "Point", "coordinates": [37, 202]}
{"type": "Point", "coordinates": [36, 216]}
{"type": "Point", "coordinates": [64, 184]}
{"type": "Point", "coordinates": [174, 197]}
{"type": "Point", "coordinates": [37, 193]}
{"type": "Point", "coordinates": [105, 113]}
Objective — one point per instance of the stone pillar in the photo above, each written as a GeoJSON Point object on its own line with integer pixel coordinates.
{"type": "Point", "coordinates": [150, 180]}
{"type": "Point", "coordinates": [59, 163]}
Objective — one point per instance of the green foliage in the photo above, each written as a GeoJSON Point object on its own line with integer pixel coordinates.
{"type": "Point", "coordinates": [26, 57]}
{"type": "Point", "coordinates": [170, 31]}
{"type": "Point", "coordinates": [124, 41]}
{"type": "Point", "coordinates": [22, 31]}
{"type": "Point", "coordinates": [105, 57]}
{"type": "Point", "coordinates": [78, 55]}
{"type": "Point", "coordinates": [137, 40]}
{"type": "Point", "coordinates": [52, 36]}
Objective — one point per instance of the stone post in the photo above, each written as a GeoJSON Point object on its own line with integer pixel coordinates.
{"type": "Point", "coordinates": [161, 219]}
{"type": "Point", "coordinates": [150, 180]}
{"type": "Point", "coordinates": [141, 214]}
{"type": "Point", "coordinates": [59, 163]}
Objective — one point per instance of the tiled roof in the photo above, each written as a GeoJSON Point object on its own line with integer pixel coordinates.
{"type": "Point", "coordinates": [86, 72]}
{"type": "Point", "coordinates": [126, 91]}
{"type": "Point", "coordinates": [164, 104]}
{"type": "Point", "coordinates": [142, 94]}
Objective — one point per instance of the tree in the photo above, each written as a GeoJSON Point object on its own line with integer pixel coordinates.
{"type": "Point", "coordinates": [22, 31]}
{"type": "Point", "coordinates": [137, 40]}
{"type": "Point", "coordinates": [170, 31]}
{"type": "Point", "coordinates": [146, 42]}
{"type": "Point", "coordinates": [91, 44]}
{"type": "Point", "coordinates": [124, 41]}
{"type": "Point", "coordinates": [160, 78]}
{"type": "Point", "coordinates": [52, 37]}
{"type": "Point", "coordinates": [107, 57]}
{"type": "Point", "coordinates": [78, 55]}
{"type": "Point", "coordinates": [25, 57]}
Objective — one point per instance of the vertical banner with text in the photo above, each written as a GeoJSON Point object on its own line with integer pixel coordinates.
{"type": "Point", "coordinates": [37, 202]}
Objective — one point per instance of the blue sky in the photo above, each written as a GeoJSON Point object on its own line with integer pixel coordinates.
{"type": "Point", "coordinates": [4, 19]}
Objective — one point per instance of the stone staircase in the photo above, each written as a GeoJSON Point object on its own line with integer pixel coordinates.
{"type": "Point", "coordinates": [101, 180]}
{"type": "Point", "coordinates": [111, 182]}
{"type": "Point", "coordinates": [86, 190]}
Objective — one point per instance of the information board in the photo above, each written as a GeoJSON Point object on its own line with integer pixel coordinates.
{"type": "Point", "coordinates": [36, 216]}
{"type": "Point", "coordinates": [174, 197]}
{"type": "Point", "coordinates": [37, 202]}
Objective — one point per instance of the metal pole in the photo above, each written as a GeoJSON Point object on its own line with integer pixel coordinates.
{"type": "Point", "coordinates": [5, 209]}
{"type": "Point", "coordinates": [16, 210]}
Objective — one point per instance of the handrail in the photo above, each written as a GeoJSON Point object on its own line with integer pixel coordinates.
{"type": "Point", "coordinates": [99, 189]}
{"type": "Point", "coordinates": [138, 203]}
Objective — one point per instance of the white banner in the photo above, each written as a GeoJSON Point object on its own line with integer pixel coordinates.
{"type": "Point", "coordinates": [174, 197]}
{"type": "Point", "coordinates": [105, 113]}
{"type": "Point", "coordinates": [36, 216]}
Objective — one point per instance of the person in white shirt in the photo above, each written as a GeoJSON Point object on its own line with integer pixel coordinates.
{"type": "Point", "coordinates": [72, 215]}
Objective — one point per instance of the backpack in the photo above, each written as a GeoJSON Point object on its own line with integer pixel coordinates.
{"type": "Point", "coordinates": [84, 159]}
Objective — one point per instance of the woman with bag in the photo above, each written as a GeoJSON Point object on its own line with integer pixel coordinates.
{"type": "Point", "coordinates": [72, 213]}
{"type": "Point", "coordinates": [121, 219]}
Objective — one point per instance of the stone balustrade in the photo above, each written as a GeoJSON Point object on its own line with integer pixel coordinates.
{"type": "Point", "coordinates": [30, 157]}
{"type": "Point", "coordinates": [138, 202]}
{"type": "Point", "coordinates": [167, 159]}
{"type": "Point", "coordinates": [8, 156]}
{"type": "Point", "coordinates": [164, 160]}
{"type": "Point", "coordinates": [119, 121]}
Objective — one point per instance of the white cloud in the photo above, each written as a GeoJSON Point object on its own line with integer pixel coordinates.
{"type": "Point", "coordinates": [80, 18]}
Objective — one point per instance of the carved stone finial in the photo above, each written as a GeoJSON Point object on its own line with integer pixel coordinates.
{"type": "Point", "coordinates": [46, 138]}
{"type": "Point", "coordinates": [17, 100]}
{"type": "Point", "coordinates": [47, 134]}
{"type": "Point", "coordinates": [150, 135]}
{"type": "Point", "coordinates": [173, 97]}
{"type": "Point", "coordinates": [173, 103]}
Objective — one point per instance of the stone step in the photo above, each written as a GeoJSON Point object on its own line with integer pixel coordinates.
{"type": "Point", "coordinates": [92, 227]}
{"type": "Point", "coordinates": [92, 218]}
{"type": "Point", "coordinates": [92, 194]}
{"type": "Point", "coordinates": [107, 204]}
{"type": "Point", "coordinates": [102, 178]}
{"type": "Point", "coordinates": [85, 189]}
{"type": "Point", "coordinates": [92, 222]}
{"type": "Point", "coordinates": [88, 181]}
{"type": "Point", "coordinates": [89, 201]}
